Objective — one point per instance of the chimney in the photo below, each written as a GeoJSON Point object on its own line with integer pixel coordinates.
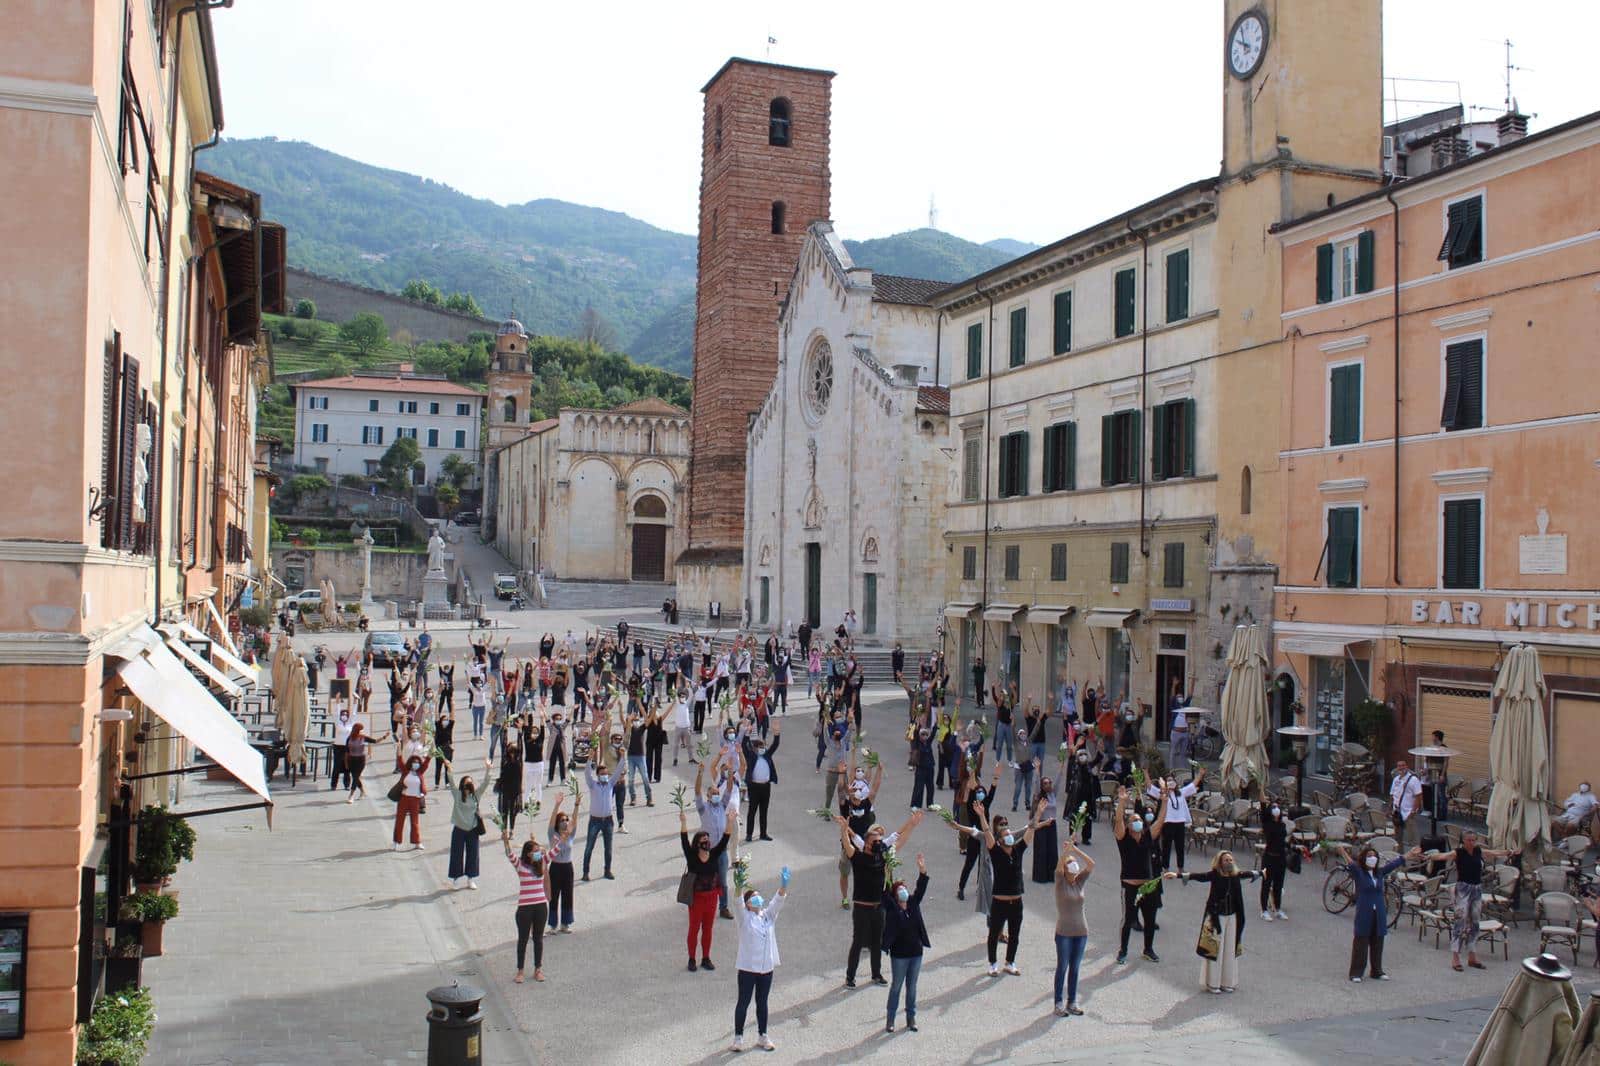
{"type": "Point", "coordinates": [1511, 126]}
{"type": "Point", "coordinates": [1448, 150]}
{"type": "Point", "coordinates": [906, 373]}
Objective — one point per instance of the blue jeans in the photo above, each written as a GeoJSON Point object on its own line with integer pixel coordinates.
{"type": "Point", "coordinates": [477, 721]}
{"type": "Point", "coordinates": [597, 827]}
{"type": "Point", "coordinates": [1069, 955]}
{"type": "Point", "coordinates": [1036, 750]}
{"type": "Point", "coordinates": [494, 739]}
{"type": "Point", "coordinates": [1002, 739]}
{"type": "Point", "coordinates": [636, 764]}
{"type": "Point", "coordinates": [1023, 787]}
{"type": "Point", "coordinates": [904, 972]}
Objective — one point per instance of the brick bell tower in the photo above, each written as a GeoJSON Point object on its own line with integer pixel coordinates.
{"type": "Point", "coordinates": [763, 179]}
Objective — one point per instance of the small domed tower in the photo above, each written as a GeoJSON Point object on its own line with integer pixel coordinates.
{"type": "Point", "coordinates": [510, 384]}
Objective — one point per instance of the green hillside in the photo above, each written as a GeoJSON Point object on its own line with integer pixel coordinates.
{"type": "Point", "coordinates": [925, 253]}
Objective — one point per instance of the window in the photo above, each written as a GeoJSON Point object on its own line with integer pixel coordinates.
{"type": "Point", "coordinates": [1463, 386]}
{"type": "Point", "coordinates": [509, 413]}
{"type": "Point", "coordinates": [1172, 565]}
{"type": "Point", "coordinates": [778, 123]}
{"type": "Point", "coordinates": [1172, 440]}
{"type": "Point", "coordinates": [1125, 302]}
{"type": "Point", "coordinates": [461, 438]}
{"type": "Point", "coordinates": [1178, 286]}
{"type": "Point", "coordinates": [406, 407]}
{"type": "Point", "coordinates": [433, 438]}
{"type": "Point", "coordinates": [974, 350]}
{"type": "Point", "coordinates": [1463, 544]}
{"type": "Point", "coordinates": [433, 407]}
{"type": "Point", "coordinates": [1120, 462]}
{"type": "Point", "coordinates": [1342, 550]}
{"type": "Point", "coordinates": [319, 433]}
{"type": "Point", "coordinates": [406, 432]}
{"type": "Point", "coordinates": [373, 467]}
{"type": "Point", "coordinates": [316, 403]}
{"type": "Point", "coordinates": [1245, 490]}
{"type": "Point", "coordinates": [969, 563]}
{"type": "Point", "coordinates": [463, 408]}
{"type": "Point", "coordinates": [1058, 562]}
{"type": "Point", "coordinates": [1061, 335]}
{"type": "Point", "coordinates": [1463, 233]}
{"type": "Point", "coordinates": [1119, 562]}
{"type": "Point", "coordinates": [1345, 269]}
{"type": "Point", "coordinates": [371, 434]}
{"type": "Point", "coordinates": [1014, 464]}
{"type": "Point", "coordinates": [1013, 562]}
{"type": "Point", "coordinates": [1019, 336]}
{"type": "Point", "coordinates": [372, 405]}
{"type": "Point", "coordinates": [971, 464]}
{"type": "Point", "coordinates": [1344, 404]}
{"type": "Point", "coordinates": [777, 216]}
{"type": "Point", "coordinates": [1060, 456]}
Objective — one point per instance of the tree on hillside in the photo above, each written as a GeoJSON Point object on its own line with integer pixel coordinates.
{"type": "Point", "coordinates": [594, 329]}
{"type": "Point", "coordinates": [337, 366]}
{"type": "Point", "coordinates": [463, 302]}
{"type": "Point", "coordinates": [366, 333]}
{"type": "Point", "coordinates": [305, 309]}
{"type": "Point", "coordinates": [311, 330]}
{"type": "Point", "coordinates": [422, 292]}
{"type": "Point", "coordinates": [396, 465]}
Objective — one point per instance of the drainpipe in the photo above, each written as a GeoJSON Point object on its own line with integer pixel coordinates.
{"type": "Point", "coordinates": [938, 340]}
{"type": "Point", "coordinates": [988, 438]}
{"type": "Point", "coordinates": [1144, 368]}
{"type": "Point", "coordinates": [1394, 319]}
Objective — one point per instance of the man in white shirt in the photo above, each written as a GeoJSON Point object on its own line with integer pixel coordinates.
{"type": "Point", "coordinates": [681, 721]}
{"type": "Point", "coordinates": [1579, 806]}
{"type": "Point", "coordinates": [1405, 796]}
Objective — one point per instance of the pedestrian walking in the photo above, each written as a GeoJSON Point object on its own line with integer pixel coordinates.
{"type": "Point", "coordinates": [1274, 858]}
{"type": "Point", "coordinates": [699, 887]}
{"type": "Point", "coordinates": [533, 907]}
{"type": "Point", "coordinates": [757, 959]}
{"type": "Point", "coordinates": [466, 826]}
{"type": "Point", "coordinates": [905, 937]}
{"type": "Point", "coordinates": [1072, 929]}
{"type": "Point", "coordinates": [1222, 926]}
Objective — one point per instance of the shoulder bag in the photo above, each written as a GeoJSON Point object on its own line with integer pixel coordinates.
{"type": "Point", "coordinates": [686, 889]}
{"type": "Point", "coordinates": [396, 790]}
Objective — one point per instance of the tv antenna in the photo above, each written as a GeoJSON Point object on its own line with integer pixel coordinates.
{"type": "Point", "coordinates": [1511, 101]}
{"type": "Point", "coordinates": [771, 40]}
{"type": "Point", "coordinates": [933, 213]}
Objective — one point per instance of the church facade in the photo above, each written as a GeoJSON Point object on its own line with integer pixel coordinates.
{"type": "Point", "coordinates": [847, 460]}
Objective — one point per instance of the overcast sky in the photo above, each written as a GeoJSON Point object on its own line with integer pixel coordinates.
{"type": "Point", "coordinates": [1026, 120]}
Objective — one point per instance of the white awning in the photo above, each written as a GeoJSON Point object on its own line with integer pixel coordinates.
{"type": "Point", "coordinates": [1048, 616]}
{"type": "Point", "coordinates": [1001, 612]}
{"type": "Point", "coordinates": [959, 610]}
{"type": "Point", "coordinates": [163, 684]}
{"type": "Point", "coordinates": [1108, 618]}
{"type": "Point", "coordinates": [199, 662]}
{"type": "Point", "coordinates": [235, 665]}
{"type": "Point", "coordinates": [1327, 647]}
{"type": "Point", "coordinates": [222, 628]}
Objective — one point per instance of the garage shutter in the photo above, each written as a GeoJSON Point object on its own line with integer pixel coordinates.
{"type": "Point", "coordinates": [1463, 714]}
{"type": "Point", "coordinates": [1575, 740]}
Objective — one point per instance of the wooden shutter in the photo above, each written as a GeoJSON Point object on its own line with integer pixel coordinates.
{"type": "Point", "coordinates": [1058, 562]}
{"type": "Point", "coordinates": [1463, 544]}
{"type": "Point", "coordinates": [1344, 532]}
{"type": "Point", "coordinates": [1071, 480]}
{"type": "Point", "coordinates": [128, 410]}
{"type": "Point", "coordinates": [1063, 322]}
{"type": "Point", "coordinates": [1178, 286]}
{"type": "Point", "coordinates": [1172, 565]}
{"type": "Point", "coordinates": [1050, 434]}
{"type": "Point", "coordinates": [1126, 311]}
{"type": "Point", "coordinates": [1344, 404]}
{"type": "Point", "coordinates": [1450, 415]}
{"type": "Point", "coordinates": [1119, 562]}
{"type": "Point", "coordinates": [1366, 248]}
{"type": "Point", "coordinates": [1003, 475]}
{"type": "Point", "coordinates": [972, 468]}
{"type": "Point", "coordinates": [1018, 340]}
{"type": "Point", "coordinates": [1324, 273]}
{"type": "Point", "coordinates": [110, 386]}
{"type": "Point", "coordinates": [974, 350]}
{"type": "Point", "coordinates": [1467, 245]}
{"type": "Point", "coordinates": [1020, 457]}
{"type": "Point", "coordinates": [1470, 413]}
{"type": "Point", "coordinates": [1188, 438]}
{"type": "Point", "coordinates": [1158, 442]}
{"type": "Point", "coordinates": [1108, 438]}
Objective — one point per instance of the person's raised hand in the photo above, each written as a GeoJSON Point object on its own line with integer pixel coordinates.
{"type": "Point", "coordinates": [783, 877]}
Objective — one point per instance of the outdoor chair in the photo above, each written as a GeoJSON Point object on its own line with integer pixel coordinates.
{"type": "Point", "coordinates": [1355, 801]}
{"type": "Point", "coordinates": [1552, 878]}
{"type": "Point", "coordinates": [1574, 848]}
{"type": "Point", "coordinates": [1322, 799]}
{"type": "Point", "coordinates": [1499, 886]}
{"type": "Point", "coordinates": [1461, 798]}
{"type": "Point", "coordinates": [1492, 931]}
{"type": "Point", "coordinates": [1479, 807]}
{"type": "Point", "coordinates": [1556, 914]}
{"type": "Point", "coordinates": [1427, 908]}
{"type": "Point", "coordinates": [1201, 831]}
{"type": "Point", "coordinates": [1307, 829]}
{"type": "Point", "coordinates": [1383, 842]}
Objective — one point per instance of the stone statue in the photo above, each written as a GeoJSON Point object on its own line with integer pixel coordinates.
{"type": "Point", "coordinates": [141, 470]}
{"type": "Point", "coordinates": [435, 553]}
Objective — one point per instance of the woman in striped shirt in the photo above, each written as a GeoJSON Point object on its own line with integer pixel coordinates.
{"type": "Point", "coordinates": [533, 896]}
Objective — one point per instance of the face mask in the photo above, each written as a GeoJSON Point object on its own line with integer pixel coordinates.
{"type": "Point", "coordinates": [1372, 862]}
{"type": "Point", "coordinates": [861, 775]}
{"type": "Point", "coordinates": [715, 799]}
{"type": "Point", "coordinates": [1083, 757]}
{"type": "Point", "coordinates": [727, 736]}
{"type": "Point", "coordinates": [537, 856]}
{"type": "Point", "coordinates": [604, 779]}
{"type": "Point", "coordinates": [1583, 788]}
{"type": "Point", "coordinates": [980, 795]}
{"type": "Point", "coordinates": [1276, 812]}
{"type": "Point", "coordinates": [1073, 867]}
{"type": "Point", "coordinates": [1136, 825]}
{"type": "Point", "coordinates": [1009, 839]}
{"type": "Point", "coordinates": [756, 902]}
{"type": "Point", "coordinates": [902, 894]}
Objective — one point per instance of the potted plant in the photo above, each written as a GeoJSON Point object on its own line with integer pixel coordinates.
{"type": "Point", "coordinates": [165, 839]}
{"type": "Point", "coordinates": [124, 962]}
{"type": "Point", "coordinates": [118, 1032]}
{"type": "Point", "coordinates": [152, 910]}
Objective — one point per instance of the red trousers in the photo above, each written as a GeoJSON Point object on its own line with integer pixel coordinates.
{"type": "Point", "coordinates": [408, 807]}
{"type": "Point", "coordinates": [702, 919]}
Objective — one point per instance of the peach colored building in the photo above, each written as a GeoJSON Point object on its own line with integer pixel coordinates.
{"type": "Point", "coordinates": [109, 259]}
{"type": "Point", "coordinates": [1441, 449]}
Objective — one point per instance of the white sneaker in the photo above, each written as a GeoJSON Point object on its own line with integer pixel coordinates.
{"type": "Point", "coordinates": [473, 885]}
{"type": "Point", "coordinates": [737, 1045]}
{"type": "Point", "coordinates": [1012, 970]}
{"type": "Point", "coordinates": [1266, 916]}
{"type": "Point", "coordinates": [1282, 917]}
{"type": "Point", "coordinates": [456, 883]}
{"type": "Point", "coordinates": [622, 829]}
{"type": "Point", "coordinates": [396, 845]}
{"type": "Point", "coordinates": [416, 847]}
{"type": "Point", "coordinates": [994, 969]}
{"type": "Point", "coordinates": [764, 1042]}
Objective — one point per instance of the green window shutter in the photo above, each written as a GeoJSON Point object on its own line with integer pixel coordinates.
{"type": "Point", "coordinates": [1471, 413]}
{"type": "Point", "coordinates": [1324, 273]}
{"type": "Point", "coordinates": [1463, 548]}
{"type": "Point", "coordinates": [1172, 565]}
{"type": "Point", "coordinates": [1344, 534]}
{"type": "Point", "coordinates": [1108, 437]}
{"type": "Point", "coordinates": [1125, 306]}
{"type": "Point", "coordinates": [1136, 446]}
{"type": "Point", "coordinates": [1021, 453]}
{"type": "Point", "coordinates": [1188, 438]}
{"type": "Point", "coordinates": [1344, 404]}
{"type": "Point", "coordinates": [1454, 361]}
{"type": "Point", "coordinates": [1119, 562]}
{"type": "Point", "coordinates": [1178, 286]}
{"type": "Point", "coordinates": [1049, 458]}
{"type": "Point", "coordinates": [1071, 480]}
{"type": "Point", "coordinates": [1158, 443]}
{"type": "Point", "coordinates": [1019, 336]}
{"type": "Point", "coordinates": [1366, 249]}
{"type": "Point", "coordinates": [1007, 476]}
{"type": "Point", "coordinates": [974, 350]}
{"type": "Point", "coordinates": [1063, 322]}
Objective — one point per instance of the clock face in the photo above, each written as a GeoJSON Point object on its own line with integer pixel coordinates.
{"type": "Point", "coordinates": [1247, 44]}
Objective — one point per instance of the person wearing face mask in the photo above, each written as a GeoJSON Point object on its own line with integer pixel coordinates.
{"type": "Point", "coordinates": [1072, 930]}
{"type": "Point", "coordinates": [413, 793]}
{"type": "Point", "coordinates": [703, 857]}
{"type": "Point", "coordinates": [558, 834]}
{"type": "Point", "coordinates": [1175, 832]}
{"type": "Point", "coordinates": [1045, 849]}
{"type": "Point", "coordinates": [1578, 806]}
{"type": "Point", "coordinates": [466, 823]}
{"type": "Point", "coordinates": [1083, 785]}
{"type": "Point", "coordinates": [973, 801]}
{"type": "Point", "coordinates": [444, 738]}
{"type": "Point", "coordinates": [1006, 850]}
{"type": "Point", "coordinates": [922, 760]}
{"type": "Point", "coordinates": [602, 816]}
{"type": "Point", "coordinates": [1224, 916]}
{"type": "Point", "coordinates": [534, 741]}
{"type": "Point", "coordinates": [343, 722]}
{"type": "Point", "coordinates": [1137, 850]}
{"type": "Point", "coordinates": [757, 959]}
{"type": "Point", "coordinates": [716, 813]}
{"type": "Point", "coordinates": [868, 858]}
{"type": "Point", "coordinates": [533, 895]}
{"type": "Point", "coordinates": [905, 935]}
{"type": "Point", "coordinates": [761, 773]}
{"type": "Point", "coordinates": [1372, 915]}
{"type": "Point", "coordinates": [508, 785]}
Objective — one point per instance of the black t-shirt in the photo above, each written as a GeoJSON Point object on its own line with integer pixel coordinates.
{"type": "Point", "coordinates": [636, 739]}
{"type": "Point", "coordinates": [1275, 835]}
{"type": "Point", "coordinates": [1469, 866]}
{"type": "Point", "coordinates": [1138, 857]}
{"type": "Point", "coordinates": [547, 647]}
{"type": "Point", "coordinates": [580, 672]}
{"type": "Point", "coordinates": [1008, 869]}
{"type": "Point", "coordinates": [860, 819]}
{"type": "Point", "coordinates": [868, 864]}
{"type": "Point", "coordinates": [1002, 713]}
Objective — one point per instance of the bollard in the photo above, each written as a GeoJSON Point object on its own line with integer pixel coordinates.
{"type": "Point", "coordinates": [455, 1026]}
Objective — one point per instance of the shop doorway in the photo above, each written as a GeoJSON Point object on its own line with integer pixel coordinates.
{"type": "Point", "coordinates": [1011, 660]}
{"type": "Point", "coordinates": [1119, 654]}
{"type": "Point", "coordinates": [1172, 667]}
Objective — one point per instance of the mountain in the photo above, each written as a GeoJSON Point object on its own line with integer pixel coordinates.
{"type": "Point", "coordinates": [546, 261]}
{"type": "Point", "coordinates": [1011, 248]}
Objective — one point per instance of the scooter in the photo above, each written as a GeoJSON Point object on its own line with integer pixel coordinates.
{"type": "Point", "coordinates": [518, 604]}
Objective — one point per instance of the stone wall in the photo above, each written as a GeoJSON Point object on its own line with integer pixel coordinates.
{"type": "Point", "coordinates": [340, 301]}
{"type": "Point", "coordinates": [395, 575]}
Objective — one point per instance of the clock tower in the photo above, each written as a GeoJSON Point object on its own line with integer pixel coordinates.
{"type": "Point", "coordinates": [1302, 128]}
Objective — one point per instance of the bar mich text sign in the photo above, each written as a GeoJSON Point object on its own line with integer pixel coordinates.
{"type": "Point", "coordinates": [1518, 614]}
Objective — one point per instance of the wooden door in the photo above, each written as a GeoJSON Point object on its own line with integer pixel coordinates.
{"type": "Point", "coordinates": [649, 552]}
{"type": "Point", "coordinates": [814, 584]}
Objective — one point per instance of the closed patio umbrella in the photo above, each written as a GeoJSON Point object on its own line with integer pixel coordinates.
{"type": "Point", "coordinates": [1519, 754]}
{"type": "Point", "coordinates": [1244, 707]}
{"type": "Point", "coordinates": [1585, 1047]}
{"type": "Point", "coordinates": [294, 711]}
{"type": "Point", "coordinates": [1533, 1023]}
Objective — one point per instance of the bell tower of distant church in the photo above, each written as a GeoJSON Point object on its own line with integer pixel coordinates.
{"type": "Point", "coordinates": [510, 380]}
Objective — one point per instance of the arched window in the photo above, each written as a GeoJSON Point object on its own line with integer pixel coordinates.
{"type": "Point", "coordinates": [778, 123]}
{"type": "Point", "coordinates": [511, 409]}
{"type": "Point", "coordinates": [777, 216]}
{"type": "Point", "coordinates": [650, 507]}
{"type": "Point", "coordinates": [1244, 491]}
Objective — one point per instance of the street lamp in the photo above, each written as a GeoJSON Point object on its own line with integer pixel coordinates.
{"type": "Point", "coordinates": [1300, 736]}
{"type": "Point", "coordinates": [1436, 758]}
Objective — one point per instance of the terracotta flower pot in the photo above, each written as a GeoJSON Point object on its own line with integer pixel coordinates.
{"type": "Point", "coordinates": [150, 937]}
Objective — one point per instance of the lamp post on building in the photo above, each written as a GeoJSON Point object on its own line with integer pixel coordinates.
{"type": "Point", "coordinates": [1436, 759]}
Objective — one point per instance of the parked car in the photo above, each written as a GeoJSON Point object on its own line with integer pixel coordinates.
{"type": "Point", "coordinates": [385, 648]}
{"type": "Point", "coordinates": [467, 518]}
{"type": "Point", "coordinates": [303, 598]}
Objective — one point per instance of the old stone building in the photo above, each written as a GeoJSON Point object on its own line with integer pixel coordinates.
{"type": "Point", "coordinates": [764, 179]}
{"type": "Point", "coordinates": [510, 381]}
{"type": "Point", "coordinates": [595, 495]}
{"type": "Point", "coordinates": [845, 470]}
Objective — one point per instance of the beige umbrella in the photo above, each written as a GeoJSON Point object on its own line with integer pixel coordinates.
{"type": "Point", "coordinates": [1519, 754]}
{"type": "Point", "coordinates": [1533, 1023]}
{"type": "Point", "coordinates": [294, 711]}
{"type": "Point", "coordinates": [1585, 1047]}
{"type": "Point", "coordinates": [330, 602]}
{"type": "Point", "coordinates": [1244, 707]}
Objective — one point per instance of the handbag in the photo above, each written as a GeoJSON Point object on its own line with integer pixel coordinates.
{"type": "Point", "coordinates": [686, 889]}
{"type": "Point", "coordinates": [1206, 947]}
{"type": "Point", "coordinates": [396, 791]}
{"type": "Point", "coordinates": [478, 830]}
{"type": "Point", "coordinates": [1293, 862]}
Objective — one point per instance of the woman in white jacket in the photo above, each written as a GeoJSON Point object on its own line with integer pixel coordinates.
{"type": "Point", "coordinates": [758, 957]}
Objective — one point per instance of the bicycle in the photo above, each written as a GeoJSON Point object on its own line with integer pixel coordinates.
{"type": "Point", "coordinates": [1206, 745]}
{"type": "Point", "coordinates": [1339, 892]}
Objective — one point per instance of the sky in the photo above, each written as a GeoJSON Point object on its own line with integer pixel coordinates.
{"type": "Point", "coordinates": [1024, 120]}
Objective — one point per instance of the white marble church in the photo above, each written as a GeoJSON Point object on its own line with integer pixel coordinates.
{"type": "Point", "coordinates": [849, 459]}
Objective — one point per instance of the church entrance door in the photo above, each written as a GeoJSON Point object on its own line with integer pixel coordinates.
{"type": "Point", "coordinates": [649, 552]}
{"type": "Point", "coordinates": [814, 584]}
